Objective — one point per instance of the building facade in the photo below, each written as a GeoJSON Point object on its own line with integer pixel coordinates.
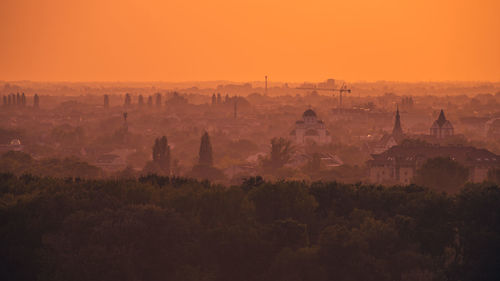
{"type": "Point", "coordinates": [310, 129]}
{"type": "Point", "coordinates": [400, 163]}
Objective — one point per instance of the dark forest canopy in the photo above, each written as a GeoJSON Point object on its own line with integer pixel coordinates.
{"type": "Point", "coordinates": [160, 228]}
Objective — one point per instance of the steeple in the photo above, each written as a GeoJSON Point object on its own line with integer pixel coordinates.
{"type": "Point", "coordinates": [397, 131]}
{"type": "Point", "coordinates": [441, 119]}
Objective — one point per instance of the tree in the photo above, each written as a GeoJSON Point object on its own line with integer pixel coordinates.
{"type": "Point", "coordinates": [442, 174]}
{"type": "Point", "coordinates": [161, 155]}
{"type": "Point", "coordinates": [205, 169]}
{"type": "Point", "coordinates": [141, 100]}
{"type": "Point", "coordinates": [315, 163]}
{"type": "Point", "coordinates": [106, 101]}
{"type": "Point", "coordinates": [128, 99]}
{"type": "Point", "coordinates": [478, 227]}
{"type": "Point", "coordinates": [205, 156]}
{"type": "Point", "coordinates": [36, 101]}
{"type": "Point", "coordinates": [23, 100]}
{"type": "Point", "coordinates": [214, 99]}
{"type": "Point", "coordinates": [281, 150]}
{"type": "Point", "coordinates": [158, 100]}
{"type": "Point", "coordinates": [150, 101]}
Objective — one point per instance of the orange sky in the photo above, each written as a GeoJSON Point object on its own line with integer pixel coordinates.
{"type": "Point", "coordinates": [240, 40]}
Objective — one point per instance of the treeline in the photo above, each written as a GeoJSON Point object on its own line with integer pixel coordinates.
{"type": "Point", "coordinates": [18, 162]}
{"type": "Point", "coordinates": [160, 228]}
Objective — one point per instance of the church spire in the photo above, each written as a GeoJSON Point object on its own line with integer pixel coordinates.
{"type": "Point", "coordinates": [397, 131]}
{"type": "Point", "coordinates": [441, 119]}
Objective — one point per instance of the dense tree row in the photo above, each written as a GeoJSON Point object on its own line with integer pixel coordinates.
{"type": "Point", "coordinates": [161, 228]}
{"type": "Point", "coordinates": [19, 100]}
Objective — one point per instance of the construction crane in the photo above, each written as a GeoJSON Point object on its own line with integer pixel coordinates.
{"type": "Point", "coordinates": [341, 90]}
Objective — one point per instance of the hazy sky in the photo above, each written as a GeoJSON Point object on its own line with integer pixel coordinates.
{"type": "Point", "coordinates": [241, 40]}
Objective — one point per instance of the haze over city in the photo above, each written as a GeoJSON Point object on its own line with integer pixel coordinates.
{"type": "Point", "coordinates": [250, 140]}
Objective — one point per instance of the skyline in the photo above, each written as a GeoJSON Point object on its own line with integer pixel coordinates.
{"type": "Point", "coordinates": [194, 41]}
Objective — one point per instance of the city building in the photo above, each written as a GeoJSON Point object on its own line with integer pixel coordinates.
{"type": "Point", "coordinates": [400, 163]}
{"type": "Point", "coordinates": [310, 129]}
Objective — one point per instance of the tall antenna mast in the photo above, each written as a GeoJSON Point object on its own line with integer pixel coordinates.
{"type": "Point", "coordinates": [265, 92]}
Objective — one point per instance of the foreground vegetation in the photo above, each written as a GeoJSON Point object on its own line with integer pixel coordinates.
{"type": "Point", "coordinates": [158, 228]}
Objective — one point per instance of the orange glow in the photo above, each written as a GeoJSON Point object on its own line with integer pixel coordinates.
{"type": "Point", "coordinates": [187, 40]}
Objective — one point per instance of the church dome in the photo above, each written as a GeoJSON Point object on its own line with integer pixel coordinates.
{"type": "Point", "coordinates": [309, 113]}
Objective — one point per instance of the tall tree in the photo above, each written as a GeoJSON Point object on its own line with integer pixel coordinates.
{"type": "Point", "coordinates": [128, 99]}
{"type": "Point", "coordinates": [23, 100]}
{"type": "Point", "coordinates": [106, 101]}
{"type": "Point", "coordinates": [281, 150]}
{"type": "Point", "coordinates": [150, 101]}
{"type": "Point", "coordinates": [161, 154]}
{"type": "Point", "coordinates": [36, 101]}
{"type": "Point", "coordinates": [214, 99]}
{"type": "Point", "coordinates": [158, 100]}
{"type": "Point", "coordinates": [206, 158]}
{"type": "Point", "coordinates": [141, 100]}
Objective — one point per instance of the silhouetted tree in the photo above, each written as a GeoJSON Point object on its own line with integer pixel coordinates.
{"type": "Point", "coordinates": [442, 174]}
{"type": "Point", "coordinates": [150, 101]}
{"type": "Point", "coordinates": [128, 99]}
{"type": "Point", "coordinates": [23, 100]}
{"type": "Point", "coordinates": [315, 163]}
{"type": "Point", "coordinates": [158, 100]}
{"type": "Point", "coordinates": [205, 156]}
{"type": "Point", "coordinates": [106, 101]}
{"type": "Point", "coordinates": [214, 99]}
{"type": "Point", "coordinates": [478, 229]}
{"type": "Point", "coordinates": [219, 98]}
{"type": "Point", "coordinates": [141, 100]}
{"type": "Point", "coordinates": [281, 150]}
{"type": "Point", "coordinates": [36, 101]}
{"type": "Point", "coordinates": [161, 154]}
{"type": "Point", "coordinates": [205, 169]}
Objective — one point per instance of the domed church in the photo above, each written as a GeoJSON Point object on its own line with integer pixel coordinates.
{"type": "Point", "coordinates": [310, 129]}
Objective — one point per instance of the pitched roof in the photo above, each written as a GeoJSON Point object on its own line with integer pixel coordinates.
{"type": "Point", "coordinates": [462, 154]}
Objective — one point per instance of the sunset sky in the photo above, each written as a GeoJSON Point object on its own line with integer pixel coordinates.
{"type": "Point", "coordinates": [119, 40]}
